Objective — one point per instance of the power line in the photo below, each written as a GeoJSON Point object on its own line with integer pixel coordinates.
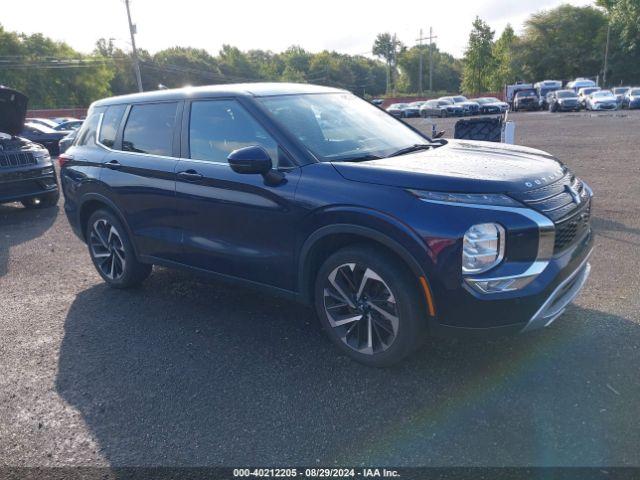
{"type": "Point", "coordinates": [136, 60]}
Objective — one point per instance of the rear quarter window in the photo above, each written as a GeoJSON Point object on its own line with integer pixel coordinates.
{"type": "Point", "coordinates": [110, 123]}
{"type": "Point", "coordinates": [87, 134]}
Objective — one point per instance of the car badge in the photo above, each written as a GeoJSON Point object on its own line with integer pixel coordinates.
{"type": "Point", "coordinates": [574, 194]}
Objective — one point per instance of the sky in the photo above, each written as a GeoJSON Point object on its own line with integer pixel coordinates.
{"type": "Point", "coordinates": [341, 25]}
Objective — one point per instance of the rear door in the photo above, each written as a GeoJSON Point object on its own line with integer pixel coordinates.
{"type": "Point", "coordinates": [234, 224]}
{"type": "Point", "coordinates": [139, 169]}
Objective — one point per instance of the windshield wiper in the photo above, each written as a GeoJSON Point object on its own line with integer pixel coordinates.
{"type": "Point", "coordinates": [413, 148]}
{"type": "Point", "coordinates": [360, 158]}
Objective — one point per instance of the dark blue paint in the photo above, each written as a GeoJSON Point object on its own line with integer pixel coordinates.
{"type": "Point", "coordinates": [243, 227]}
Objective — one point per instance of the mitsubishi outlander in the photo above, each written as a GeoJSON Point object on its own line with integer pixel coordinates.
{"type": "Point", "coordinates": [313, 193]}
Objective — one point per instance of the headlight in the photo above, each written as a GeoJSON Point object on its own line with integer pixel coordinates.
{"type": "Point", "coordinates": [493, 199]}
{"type": "Point", "coordinates": [482, 247]}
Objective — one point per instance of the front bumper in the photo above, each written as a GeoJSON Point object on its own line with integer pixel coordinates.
{"type": "Point", "coordinates": [23, 183]}
{"type": "Point", "coordinates": [604, 106]}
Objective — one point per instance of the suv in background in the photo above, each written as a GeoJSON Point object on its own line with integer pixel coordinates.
{"type": "Point", "coordinates": [526, 100]}
{"type": "Point", "coordinates": [27, 174]}
{"type": "Point", "coordinates": [315, 194]}
{"type": "Point", "coordinates": [563, 101]}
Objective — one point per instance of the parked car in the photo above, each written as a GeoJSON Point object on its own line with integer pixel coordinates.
{"type": "Point", "coordinates": [377, 101]}
{"type": "Point", "coordinates": [67, 141]}
{"type": "Point", "coordinates": [45, 136]}
{"type": "Point", "coordinates": [60, 120]}
{"type": "Point", "coordinates": [440, 108]}
{"type": "Point", "coordinates": [491, 105]}
{"type": "Point", "coordinates": [583, 93]}
{"type": "Point", "coordinates": [526, 100]}
{"type": "Point", "coordinates": [632, 98]}
{"type": "Point", "coordinates": [70, 125]}
{"type": "Point", "coordinates": [391, 235]}
{"type": "Point", "coordinates": [602, 100]}
{"type": "Point", "coordinates": [26, 171]}
{"type": "Point", "coordinates": [511, 90]}
{"type": "Point", "coordinates": [544, 88]}
{"type": "Point", "coordinates": [579, 83]}
{"type": "Point", "coordinates": [563, 101]}
{"type": "Point", "coordinates": [397, 109]}
{"type": "Point", "coordinates": [620, 92]}
{"type": "Point", "coordinates": [469, 107]}
{"type": "Point", "coordinates": [412, 110]}
{"type": "Point", "coordinates": [47, 122]}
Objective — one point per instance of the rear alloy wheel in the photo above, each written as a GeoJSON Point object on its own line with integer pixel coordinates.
{"type": "Point", "coordinates": [112, 253]}
{"type": "Point", "coordinates": [369, 305]}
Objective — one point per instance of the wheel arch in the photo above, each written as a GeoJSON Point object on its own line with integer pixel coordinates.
{"type": "Point", "coordinates": [328, 239]}
{"type": "Point", "coordinates": [95, 201]}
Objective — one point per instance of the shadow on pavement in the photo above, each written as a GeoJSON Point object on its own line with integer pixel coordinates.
{"type": "Point", "coordinates": [182, 372]}
{"type": "Point", "coordinates": [19, 225]}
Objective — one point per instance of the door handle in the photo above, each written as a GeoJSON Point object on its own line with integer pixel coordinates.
{"type": "Point", "coordinates": [190, 175]}
{"type": "Point", "coordinates": [113, 164]}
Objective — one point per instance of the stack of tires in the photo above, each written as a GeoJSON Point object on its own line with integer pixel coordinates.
{"type": "Point", "coordinates": [487, 129]}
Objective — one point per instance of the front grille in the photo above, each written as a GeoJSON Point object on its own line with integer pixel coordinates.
{"type": "Point", "coordinates": [17, 159]}
{"type": "Point", "coordinates": [567, 203]}
{"type": "Point", "coordinates": [572, 228]}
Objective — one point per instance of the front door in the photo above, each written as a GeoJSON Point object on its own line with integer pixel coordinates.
{"type": "Point", "coordinates": [234, 224]}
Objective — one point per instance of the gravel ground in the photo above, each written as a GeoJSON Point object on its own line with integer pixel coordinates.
{"type": "Point", "coordinates": [190, 372]}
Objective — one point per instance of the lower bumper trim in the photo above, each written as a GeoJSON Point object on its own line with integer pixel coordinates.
{"type": "Point", "coordinates": [560, 298]}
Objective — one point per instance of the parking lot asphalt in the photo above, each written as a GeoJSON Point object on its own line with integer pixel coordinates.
{"type": "Point", "coordinates": [185, 371]}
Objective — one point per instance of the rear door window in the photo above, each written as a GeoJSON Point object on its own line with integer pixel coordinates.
{"type": "Point", "coordinates": [149, 129]}
{"type": "Point", "coordinates": [110, 123]}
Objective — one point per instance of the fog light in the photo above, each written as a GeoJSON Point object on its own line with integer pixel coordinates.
{"type": "Point", "coordinates": [482, 247]}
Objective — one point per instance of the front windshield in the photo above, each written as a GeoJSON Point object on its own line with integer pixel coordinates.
{"type": "Point", "coordinates": [602, 94]}
{"type": "Point", "coordinates": [526, 94]}
{"type": "Point", "coordinates": [340, 126]}
{"type": "Point", "coordinates": [635, 91]}
{"type": "Point", "coordinates": [565, 94]}
{"type": "Point", "coordinates": [587, 91]}
{"type": "Point", "coordinates": [459, 99]}
{"type": "Point", "coordinates": [620, 90]}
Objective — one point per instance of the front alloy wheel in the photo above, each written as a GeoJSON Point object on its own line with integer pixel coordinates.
{"type": "Point", "coordinates": [369, 303]}
{"type": "Point", "coordinates": [361, 307]}
{"type": "Point", "coordinates": [107, 249]}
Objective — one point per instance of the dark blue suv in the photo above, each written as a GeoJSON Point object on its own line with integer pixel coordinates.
{"type": "Point", "coordinates": [314, 193]}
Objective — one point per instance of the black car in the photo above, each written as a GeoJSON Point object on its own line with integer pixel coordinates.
{"type": "Point", "coordinates": [313, 193]}
{"type": "Point", "coordinates": [45, 136]}
{"type": "Point", "coordinates": [26, 171]}
{"type": "Point", "coordinates": [68, 126]}
{"type": "Point", "coordinates": [563, 101]}
{"type": "Point", "coordinates": [526, 100]}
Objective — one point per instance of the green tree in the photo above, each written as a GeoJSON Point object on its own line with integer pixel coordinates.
{"type": "Point", "coordinates": [564, 43]}
{"type": "Point", "coordinates": [506, 56]}
{"type": "Point", "coordinates": [446, 70]}
{"type": "Point", "coordinates": [478, 58]}
{"type": "Point", "coordinates": [387, 47]}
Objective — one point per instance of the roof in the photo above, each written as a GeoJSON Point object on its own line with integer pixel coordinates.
{"type": "Point", "coordinates": [237, 89]}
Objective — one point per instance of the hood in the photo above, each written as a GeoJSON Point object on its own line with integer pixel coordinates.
{"type": "Point", "coordinates": [13, 110]}
{"type": "Point", "coordinates": [461, 166]}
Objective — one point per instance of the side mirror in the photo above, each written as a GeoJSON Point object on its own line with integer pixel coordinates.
{"type": "Point", "coordinates": [250, 160]}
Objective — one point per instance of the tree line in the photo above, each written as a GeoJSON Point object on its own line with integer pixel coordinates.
{"type": "Point", "coordinates": [560, 44]}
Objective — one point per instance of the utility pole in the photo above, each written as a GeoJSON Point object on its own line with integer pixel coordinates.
{"type": "Point", "coordinates": [606, 57]}
{"type": "Point", "coordinates": [136, 60]}
{"type": "Point", "coordinates": [420, 68]}
{"type": "Point", "coordinates": [431, 38]}
{"type": "Point", "coordinates": [395, 61]}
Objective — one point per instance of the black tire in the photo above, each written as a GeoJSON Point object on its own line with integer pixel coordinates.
{"type": "Point", "coordinates": [44, 201]}
{"type": "Point", "coordinates": [118, 247]}
{"type": "Point", "coordinates": [405, 301]}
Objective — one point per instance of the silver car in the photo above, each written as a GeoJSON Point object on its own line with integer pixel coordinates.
{"type": "Point", "coordinates": [602, 100]}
